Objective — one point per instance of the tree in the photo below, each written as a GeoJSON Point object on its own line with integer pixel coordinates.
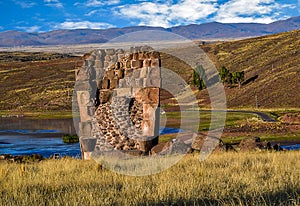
{"type": "Point", "coordinates": [225, 75]}
{"type": "Point", "coordinates": [238, 78]}
{"type": "Point", "coordinates": [231, 78]}
{"type": "Point", "coordinates": [199, 77]}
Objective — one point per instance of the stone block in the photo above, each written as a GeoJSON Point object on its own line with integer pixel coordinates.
{"type": "Point", "coordinates": [114, 83]}
{"type": "Point", "coordinates": [105, 83]}
{"type": "Point", "coordinates": [155, 63]}
{"type": "Point", "coordinates": [148, 95]}
{"type": "Point", "coordinates": [114, 58]}
{"type": "Point", "coordinates": [135, 56]}
{"type": "Point", "coordinates": [120, 73]}
{"type": "Point", "coordinates": [138, 83]}
{"type": "Point", "coordinates": [85, 129]}
{"type": "Point", "coordinates": [123, 92]}
{"type": "Point", "coordinates": [119, 51]}
{"type": "Point", "coordinates": [84, 114]}
{"type": "Point", "coordinates": [128, 81]}
{"type": "Point", "coordinates": [136, 64]}
{"type": "Point", "coordinates": [144, 72]}
{"type": "Point", "coordinates": [154, 72]}
{"type": "Point", "coordinates": [147, 63]}
{"type": "Point", "coordinates": [91, 110]}
{"type": "Point", "coordinates": [107, 58]}
{"type": "Point", "coordinates": [128, 64]}
{"type": "Point", "coordinates": [83, 86]}
{"type": "Point", "coordinates": [83, 74]}
{"type": "Point", "coordinates": [154, 55]}
{"type": "Point", "coordinates": [106, 64]}
{"type": "Point", "coordinates": [147, 145]}
{"type": "Point", "coordinates": [151, 82]}
{"type": "Point", "coordinates": [128, 72]}
{"type": "Point", "coordinates": [110, 51]}
{"type": "Point", "coordinates": [84, 98]}
{"type": "Point", "coordinates": [121, 56]}
{"type": "Point", "coordinates": [99, 64]}
{"type": "Point", "coordinates": [136, 73]}
{"type": "Point", "coordinates": [142, 55]}
{"type": "Point", "coordinates": [122, 83]}
{"type": "Point", "coordinates": [128, 56]}
{"type": "Point", "coordinates": [88, 144]}
{"type": "Point", "coordinates": [105, 96]}
{"type": "Point", "coordinates": [110, 74]}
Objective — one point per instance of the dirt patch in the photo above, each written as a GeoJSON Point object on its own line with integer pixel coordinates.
{"type": "Point", "coordinates": [290, 118]}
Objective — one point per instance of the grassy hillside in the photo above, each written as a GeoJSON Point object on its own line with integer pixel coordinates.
{"type": "Point", "coordinates": [270, 178]}
{"type": "Point", "coordinates": [276, 61]}
{"type": "Point", "coordinates": [36, 81]}
{"type": "Point", "coordinates": [44, 81]}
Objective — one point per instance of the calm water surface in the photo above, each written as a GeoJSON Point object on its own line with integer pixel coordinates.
{"type": "Point", "coordinates": [22, 136]}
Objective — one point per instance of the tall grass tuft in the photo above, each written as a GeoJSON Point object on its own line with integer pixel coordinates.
{"type": "Point", "coordinates": [266, 178]}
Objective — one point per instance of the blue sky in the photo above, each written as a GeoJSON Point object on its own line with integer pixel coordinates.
{"type": "Point", "coordinates": [47, 15]}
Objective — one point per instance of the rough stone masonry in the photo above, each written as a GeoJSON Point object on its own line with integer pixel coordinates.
{"type": "Point", "coordinates": [118, 100]}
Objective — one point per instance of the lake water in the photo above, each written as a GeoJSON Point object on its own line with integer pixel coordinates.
{"type": "Point", "coordinates": [22, 136]}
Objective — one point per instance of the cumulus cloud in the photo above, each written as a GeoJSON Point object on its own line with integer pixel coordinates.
{"type": "Point", "coordinates": [91, 13]}
{"type": "Point", "coordinates": [167, 14]}
{"type": "Point", "coordinates": [245, 11]}
{"type": "Point", "coordinates": [24, 4]}
{"type": "Point", "coordinates": [83, 25]}
{"type": "Point", "coordinates": [53, 3]}
{"type": "Point", "coordinates": [30, 29]}
{"type": "Point", "coordinates": [97, 3]}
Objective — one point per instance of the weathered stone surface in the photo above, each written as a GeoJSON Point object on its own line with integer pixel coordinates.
{"type": "Point", "coordinates": [124, 92]}
{"type": "Point", "coordinates": [144, 72]}
{"type": "Point", "coordinates": [85, 129]}
{"type": "Point", "coordinates": [148, 95]}
{"type": "Point", "coordinates": [109, 51]}
{"type": "Point", "coordinates": [127, 120]}
{"type": "Point", "coordinates": [114, 83]}
{"type": "Point", "coordinates": [155, 63]}
{"type": "Point", "coordinates": [154, 72]}
{"type": "Point", "coordinates": [88, 144]}
{"type": "Point", "coordinates": [105, 96]}
{"type": "Point", "coordinates": [105, 83]}
{"type": "Point", "coordinates": [99, 64]}
{"type": "Point", "coordinates": [151, 82]}
{"type": "Point", "coordinates": [147, 63]}
{"type": "Point", "coordinates": [136, 64]}
{"type": "Point", "coordinates": [84, 98]}
{"type": "Point", "coordinates": [136, 73]}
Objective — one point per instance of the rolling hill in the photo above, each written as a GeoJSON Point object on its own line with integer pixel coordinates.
{"type": "Point", "coordinates": [45, 81]}
{"type": "Point", "coordinates": [271, 62]}
{"type": "Point", "coordinates": [205, 31]}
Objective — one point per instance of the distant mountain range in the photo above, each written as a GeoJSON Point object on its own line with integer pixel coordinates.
{"type": "Point", "coordinates": [207, 31]}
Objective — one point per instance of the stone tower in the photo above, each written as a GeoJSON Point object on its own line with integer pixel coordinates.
{"type": "Point", "coordinates": [117, 92]}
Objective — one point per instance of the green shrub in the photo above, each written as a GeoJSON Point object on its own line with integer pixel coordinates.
{"type": "Point", "coordinates": [68, 138]}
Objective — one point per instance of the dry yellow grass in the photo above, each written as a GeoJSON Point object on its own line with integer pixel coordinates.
{"type": "Point", "coordinates": [266, 178]}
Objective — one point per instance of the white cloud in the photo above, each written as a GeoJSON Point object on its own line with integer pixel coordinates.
{"type": "Point", "coordinates": [83, 25]}
{"type": "Point", "coordinates": [91, 13]}
{"type": "Point", "coordinates": [24, 4]}
{"type": "Point", "coordinates": [30, 29]}
{"type": "Point", "coordinates": [245, 11]}
{"type": "Point", "coordinates": [167, 14]}
{"type": "Point", "coordinates": [53, 3]}
{"type": "Point", "coordinates": [97, 3]}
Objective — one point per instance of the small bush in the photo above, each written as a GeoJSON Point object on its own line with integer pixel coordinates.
{"type": "Point", "coordinates": [68, 138]}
